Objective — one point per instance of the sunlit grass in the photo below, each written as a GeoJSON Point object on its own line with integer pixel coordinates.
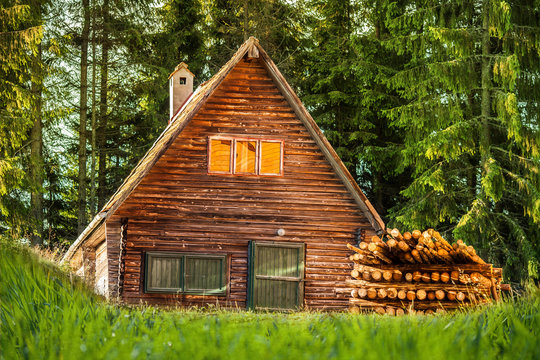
{"type": "Point", "coordinates": [46, 314]}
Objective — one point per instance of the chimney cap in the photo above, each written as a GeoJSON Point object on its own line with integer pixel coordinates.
{"type": "Point", "coordinates": [179, 67]}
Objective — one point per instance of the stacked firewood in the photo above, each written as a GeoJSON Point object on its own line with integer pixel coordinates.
{"type": "Point", "coordinates": [419, 272]}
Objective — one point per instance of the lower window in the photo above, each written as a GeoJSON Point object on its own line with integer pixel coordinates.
{"type": "Point", "coordinates": [174, 273]}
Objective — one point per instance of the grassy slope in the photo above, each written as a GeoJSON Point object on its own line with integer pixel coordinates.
{"type": "Point", "coordinates": [44, 315]}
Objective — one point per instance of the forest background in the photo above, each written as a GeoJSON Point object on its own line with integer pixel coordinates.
{"type": "Point", "coordinates": [433, 106]}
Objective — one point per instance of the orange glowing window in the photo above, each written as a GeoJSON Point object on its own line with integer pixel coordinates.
{"type": "Point", "coordinates": [220, 155]}
{"type": "Point", "coordinates": [245, 156]}
{"type": "Point", "coordinates": [270, 158]}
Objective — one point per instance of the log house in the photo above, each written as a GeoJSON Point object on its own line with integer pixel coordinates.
{"type": "Point", "coordinates": [241, 202]}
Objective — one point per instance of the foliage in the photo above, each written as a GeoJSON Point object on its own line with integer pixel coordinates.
{"type": "Point", "coordinates": [345, 87]}
{"type": "Point", "coordinates": [20, 35]}
{"type": "Point", "coordinates": [470, 123]}
{"type": "Point", "coordinates": [432, 105]}
{"type": "Point", "coordinates": [47, 314]}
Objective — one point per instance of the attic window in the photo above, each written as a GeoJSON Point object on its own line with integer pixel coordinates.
{"type": "Point", "coordinates": [241, 156]}
{"type": "Point", "coordinates": [183, 81]}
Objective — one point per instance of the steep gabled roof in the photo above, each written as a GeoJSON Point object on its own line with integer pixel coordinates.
{"type": "Point", "coordinates": [182, 117]}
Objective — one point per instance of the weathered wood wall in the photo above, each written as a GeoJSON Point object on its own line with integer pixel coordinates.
{"type": "Point", "coordinates": [102, 269]}
{"type": "Point", "coordinates": [179, 207]}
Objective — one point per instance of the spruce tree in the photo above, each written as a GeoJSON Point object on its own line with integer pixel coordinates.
{"type": "Point", "coordinates": [20, 35]}
{"type": "Point", "coordinates": [470, 123]}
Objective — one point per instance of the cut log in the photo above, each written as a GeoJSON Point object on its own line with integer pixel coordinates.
{"type": "Point", "coordinates": [396, 234]}
{"type": "Point", "coordinates": [416, 256]}
{"type": "Point", "coordinates": [435, 276]}
{"type": "Point", "coordinates": [376, 239]}
{"type": "Point", "coordinates": [409, 277]}
{"type": "Point", "coordinates": [417, 276]}
{"type": "Point", "coordinates": [390, 311]}
{"type": "Point", "coordinates": [392, 243]}
{"type": "Point", "coordinates": [356, 257]}
{"type": "Point", "coordinates": [454, 276]}
{"type": "Point", "coordinates": [355, 274]}
{"type": "Point", "coordinates": [402, 294]}
{"type": "Point", "coordinates": [408, 257]}
{"type": "Point", "coordinates": [377, 247]}
{"type": "Point", "coordinates": [376, 275]}
{"type": "Point", "coordinates": [464, 279]}
{"type": "Point", "coordinates": [354, 309]}
{"type": "Point", "coordinates": [397, 275]}
{"type": "Point", "coordinates": [400, 312]}
{"type": "Point", "coordinates": [382, 293]}
{"type": "Point", "coordinates": [402, 245]}
{"type": "Point", "coordinates": [392, 293]}
{"type": "Point", "coordinates": [451, 295]}
{"type": "Point", "coordinates": [372, 293]}
{"type": "Point", "coordinates": [431, 295]}
{"type": "Point", "coordinates": [411, 295]}
{"type": "Point", "coordinates": [426, 277]}
{"type": "Point", "coordinates": [366, 275]}
{"type": "Point", "coordinates": [362, 293]}
{"type": "Point", "coordinates": [382, 256]}
{"type": "Point", "coordinates": [440, 295]}
{"type": "Point", "coordinates": [363, 245]}
{"type": "Point", "coordinates": [445, 277]}
{"type": "Point", "coordinates": [416, 234]}
{"type": "Point", "coordinates": [478, 260]}
{"type": "Point", "coordinates": [380, 310]}
{"type": "Point", "coordinates": [460, 296]}
{"type": "Point", "coordinates": [387, 275]}
{"type": "Point", "coordinates": [354, 293]}
{"type": "Point", "coordinates": [421, 294]}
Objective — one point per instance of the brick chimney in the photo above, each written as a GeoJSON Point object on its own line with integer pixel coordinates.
{"type": "Point", "coordinates": [180, 87]}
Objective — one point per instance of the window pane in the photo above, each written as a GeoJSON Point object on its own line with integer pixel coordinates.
{"type": "Point", "coordinates": [245, 156]}
{"type": "Point", "coordinates": [205, 274]}
{"type": "Point", "coordinates": [164, 273]}
{"type": "Point", "coordinates": [220, 155]}
{"type": "Point", "coordinates": [270, 157]}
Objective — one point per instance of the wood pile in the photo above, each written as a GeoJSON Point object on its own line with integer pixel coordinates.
{"type": "Point", "coordinates": [419, 272]}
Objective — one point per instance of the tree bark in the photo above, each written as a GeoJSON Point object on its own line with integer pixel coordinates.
{"type": "Point", "coordinates": [94, 117]}
{"type": "Point", "coordinates": [486, 91]}
{"type": "Point", "coordinates": [83, 110]}
{"type": "Point", "coordinates": [36, 153]}
{"type": "Point", "coordinates": [103, 108]}
{"type": "Point", "coordinates": [246, 19]}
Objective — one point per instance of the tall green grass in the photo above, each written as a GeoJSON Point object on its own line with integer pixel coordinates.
{"type": "Point", "coordinates": [45, 314]}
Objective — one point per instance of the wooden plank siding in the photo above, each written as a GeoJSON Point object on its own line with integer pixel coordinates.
{"type": "Point", "coordinates": [179, 207]}
{"type": "Point", "coordinates": [102, 269]}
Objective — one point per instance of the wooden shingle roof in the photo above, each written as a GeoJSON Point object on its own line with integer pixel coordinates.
{"type": "Point", "coordinates": [182, 117]}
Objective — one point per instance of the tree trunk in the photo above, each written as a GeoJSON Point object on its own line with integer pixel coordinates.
{"type": "Point", "coordinates": [36, 154]}
{"type": "Point", "coordinates": [83, 110]}
{"type": "Point", "coordinates": [93, 140]}
{"type": "Point", "coordinates": [246, 19]}
{"type": "Point", "coordinates": [486, 91]}
{"type": "Point", "coordinates": [102, 139]}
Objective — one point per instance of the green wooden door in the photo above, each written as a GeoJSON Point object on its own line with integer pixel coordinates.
{"type": "Point", "coordinates": [276, 276]}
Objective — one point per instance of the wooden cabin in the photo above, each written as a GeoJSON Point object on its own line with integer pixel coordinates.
{"type": "Point", "coordinates": [241, 202]}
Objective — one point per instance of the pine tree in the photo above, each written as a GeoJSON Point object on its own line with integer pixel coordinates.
{"type": "Point", "coordinates": [345, 87]}
{"type": "Point", "coordinates": [20, 36]}
{"type": "Point", "coordinates": [471, 123]}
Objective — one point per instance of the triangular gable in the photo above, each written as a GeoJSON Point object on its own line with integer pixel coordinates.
{"type": "Point", "coordinates": [179, 121]}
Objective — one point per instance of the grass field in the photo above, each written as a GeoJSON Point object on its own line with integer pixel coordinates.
{"type": "Point", "coordinates": [45, 314]}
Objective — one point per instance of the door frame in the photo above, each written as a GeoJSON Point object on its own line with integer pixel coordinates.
{"type": "Point", "coordinates": [251, 276]}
